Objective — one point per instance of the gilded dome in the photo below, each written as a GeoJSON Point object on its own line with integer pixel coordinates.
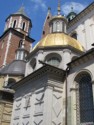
{"type": "Point", "coordinates": [58, 39]}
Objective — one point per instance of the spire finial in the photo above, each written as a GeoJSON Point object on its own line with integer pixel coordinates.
{"type": "Point", "coordinates": [49, 9]}
{"type": "Point", "coordinates": [72, 8]}
{"type": "Point", "coordinates": [59, 8]}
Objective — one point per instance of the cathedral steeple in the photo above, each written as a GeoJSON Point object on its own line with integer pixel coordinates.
{"type": "Point", "coordinates": [19, 21]}
{"type": "Point", "coordinates": [46, 28]}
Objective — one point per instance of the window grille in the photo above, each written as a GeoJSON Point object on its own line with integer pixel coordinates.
{"type": "Point", "coordinates": [85, 100]}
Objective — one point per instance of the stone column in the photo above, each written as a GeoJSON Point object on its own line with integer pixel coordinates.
{"type": "Point", "coordinates": [73, 106]}
{"type": "Point", "coordinates": [33, 98]}
{"type": "Point", "coordinates": [66, 57]}
{"type": "Point", "coordinates": [13, 113]}
{"type": "Point", "coordinates": [92, 32]}
{"type": "Point", "coordinates": [48, 106]}
{"type": "Point", "coordinates": [19, 23]}
{"type": "Point", "coordinates": [81, 37]}
{"type": "Point", "coordinates": [39, 57]}
{"type": "Point", "coordinates": [88, 34]}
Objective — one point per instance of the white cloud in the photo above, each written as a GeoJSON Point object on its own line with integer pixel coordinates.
{"type": "Point", "coordinates": [77, 7]}
{"type": "Point", "coordinates": [39, 4]}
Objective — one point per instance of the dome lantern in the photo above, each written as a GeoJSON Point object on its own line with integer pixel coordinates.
{"type": "Point", "coordinates": [58, 23]}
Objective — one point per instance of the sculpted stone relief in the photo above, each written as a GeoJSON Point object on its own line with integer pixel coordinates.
{"type": "Point", "coordinates": [39, 105]}
{"type": "Point", "coordinates": [57, 108]}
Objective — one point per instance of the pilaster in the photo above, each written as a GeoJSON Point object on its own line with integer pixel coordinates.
{"type": "Point", "coordinates": [48, 106]}
{"type": "Point", "coordinates": [73, 106]}
{"type": "Point", "coordinates": [66, 57]}
{"type": "Point", "coordinates": [39, 57]}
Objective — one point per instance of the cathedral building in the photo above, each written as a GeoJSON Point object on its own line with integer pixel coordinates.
{"type": "Point", "coordinates": [53, 82]}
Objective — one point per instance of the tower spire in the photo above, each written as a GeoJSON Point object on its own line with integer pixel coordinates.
{"type": "Point", "coordinates": [59, 8]}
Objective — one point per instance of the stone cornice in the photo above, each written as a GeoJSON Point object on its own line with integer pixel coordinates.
{"type": "Point", "coordinates": [4, 102]}
{"type": "Point", "coordinates": [48, 70]}
{"type": "Point", "coordinates": [82, 59]}
{"type": "Point", "coordinates": [54, 48]}
{"type": "Point", "coordinates": [81, 14]}
{"type": "Point", "coordinates": [17, 33]}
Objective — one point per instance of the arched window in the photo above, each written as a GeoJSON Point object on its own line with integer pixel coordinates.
{"type": "Point", "coordinates": [11, 81]}
{"type": "Point", "coordinates": [20, 43]}
{"type": "Point", "coordinates": [85, 109]}
{"type": "Point", "coordinates": [43, 32]}
{"type": "Point", "coordinates": [57, 26]}
{"type": "Point", "coordinates": [23, 26]}
{"type": "Point", "coordinates": [53, 61]}
{"type": "Point", "coordinates": [14, 24]}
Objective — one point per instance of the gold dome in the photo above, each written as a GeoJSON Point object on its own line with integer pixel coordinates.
{"type": "Point", "coordinates": [58, 39]}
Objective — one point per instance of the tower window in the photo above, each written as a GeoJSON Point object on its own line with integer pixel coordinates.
{"type": "Point", "coordinates": [23, 26]}
{"type": "Point", "coordinates": [85, 108]}
{"type": "Point", "coordinates": [43, 32]}
{"type": "Point", "coordinates": [48, 17]}
{"type": "Point", "coordinates": [14, 24]}
{"type": "Point", "coordinates": [58, 26]}
{"type": "Point", "coordinates": [20, 43]}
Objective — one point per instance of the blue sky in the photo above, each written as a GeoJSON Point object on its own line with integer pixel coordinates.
{"type": "Point", "coordinates": [37, 10]}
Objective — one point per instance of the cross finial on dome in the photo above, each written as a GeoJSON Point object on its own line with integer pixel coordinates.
{"type": "Point", "coordinates": [59, 8]}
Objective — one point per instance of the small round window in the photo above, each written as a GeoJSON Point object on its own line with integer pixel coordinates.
{"type": "Point", "coordinates": [53, 61]}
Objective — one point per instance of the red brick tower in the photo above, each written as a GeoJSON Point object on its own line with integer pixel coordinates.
{"type": "Point", "coordinates": [17, 27]}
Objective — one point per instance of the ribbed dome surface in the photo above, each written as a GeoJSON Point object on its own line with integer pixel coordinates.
{"type": "Point", "coordinates": [58, 39]}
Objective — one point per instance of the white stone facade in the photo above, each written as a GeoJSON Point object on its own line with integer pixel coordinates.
{"type": "Point", "coordinates": [83, 25]}
{"type": "Point", "coordinates": [48, 94]}
{"type": "Point", "coordinates": [39, 102]}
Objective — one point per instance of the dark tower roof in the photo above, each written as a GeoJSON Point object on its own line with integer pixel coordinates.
{"type": "Point", "coordinates": [16, 67]}
{"type": "Point", "coordinates": [71, 15]}
{"type": "Point", "coordinates": [46, 28]}
{"type": "Point", "coordinates": [21, 11]}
